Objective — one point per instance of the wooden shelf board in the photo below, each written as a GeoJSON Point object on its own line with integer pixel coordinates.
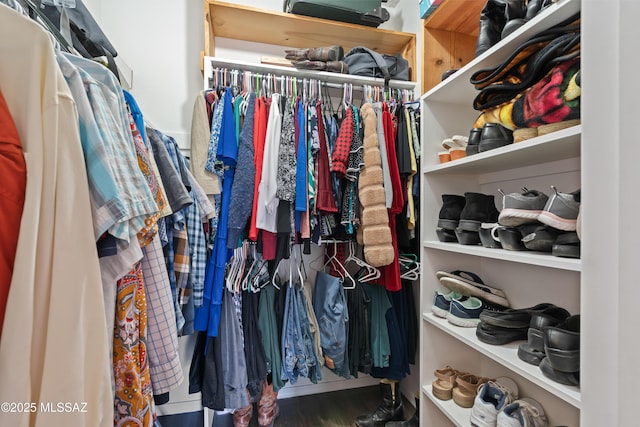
{"type": "Point", "coordinates": [524, 257]}
{"type": "Point", "coordinates": [459, 16]}
{"type": "Point", "coordinates": [560, 145]}
{"type": "Point", "coordinates": [507, 355]}
{"type": "Point", "coordinates": [285, 29]}
{"type": "Point", "coordinates": [457, 414]}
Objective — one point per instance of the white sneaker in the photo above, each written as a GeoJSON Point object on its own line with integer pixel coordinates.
{"type": "Point", "coordinates": [522, 413]}
{"type": "Point", "coordinates": [492, 398]}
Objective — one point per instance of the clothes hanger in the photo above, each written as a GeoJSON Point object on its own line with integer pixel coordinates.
{"type": "Point", "coordinates": [340, 268]}
{"type": "Point", "coordinates": [372, 273]}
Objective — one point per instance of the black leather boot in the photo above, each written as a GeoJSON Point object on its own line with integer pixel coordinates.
{"type": "Point", "coordinates": [492, 21]}
{"type": "Point", "coordinates": [411, 422]}
{"type": "Point", "coordinates": [518, 16]}
{"type": "Point", "coordinates": [390, 409]}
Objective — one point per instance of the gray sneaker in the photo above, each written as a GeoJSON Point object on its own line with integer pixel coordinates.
{"type": "Point", "coordinates": [561, 210]}
{"type": "Point", "coordinates": [521, 208]}
{"type": "Point", "coordinates": [525, 412]}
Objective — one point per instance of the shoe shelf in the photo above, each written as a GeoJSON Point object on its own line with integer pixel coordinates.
{"type": "Point", "coordinates": [560, 145]}
{"type": "Point", "coordinates": [507, 356]}
{"type": "Point", "coordinates": [458, 415]}
{"type": "Point", "coordinates": [457, 90]}
{"type": "Point", "coordinates": [524, 257]}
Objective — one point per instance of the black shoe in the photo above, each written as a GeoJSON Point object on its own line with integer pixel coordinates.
{"type": "Point", "coordinates": [514, 317]}
{"type": "Point", "coordinates": [567, 378]}
{"type": "Point", "coordinates": [492, 21]}
{"type": "Point", "coordinates": [562, 345]}
{"type": "Point", "coordinates": [474, 141]}
{"type": "Point", "coordinates": [494, 135]}
{"type": "Point", "coordinates": [391, 408]}
{"type": "Point", "coordinates": [496, 335]}
{"type": "Point", "coordinates": [518, 14]}
{"type": "Point", "coordinates": [449, 215]}
{"type": "Point", "coordinates": [533, 351]}
{"type": "Point", "coordinates": [478, 208]}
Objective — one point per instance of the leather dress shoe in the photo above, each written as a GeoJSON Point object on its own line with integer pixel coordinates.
{"type": "Point", "coordinates": [562, 345]}
{"type": "Point", "coordinates": [494, 135]}
{"type": "Point", "coordinates": [533, 351]}
{"type": "Point", "coordinates": [567, 378]}
{"type": "Point", "coordinates": [473, 143]}
{"type": "Point", "coordinates": [496, 335]}
{"type": "Point", "coordinates": [513, 317]}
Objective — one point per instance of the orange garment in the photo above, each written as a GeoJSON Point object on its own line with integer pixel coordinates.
{"type": "Point", "coordinates": [14, 182]}
{"type": "Point", "coordinates": [259, 135]}
{"type": "Point", "coordinates": [132, 405]}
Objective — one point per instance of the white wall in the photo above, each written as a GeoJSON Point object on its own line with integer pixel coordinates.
{"type": "Point", "coordinates": [161, 41]}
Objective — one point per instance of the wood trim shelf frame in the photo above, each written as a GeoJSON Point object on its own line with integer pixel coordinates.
{"type": "Point", "coordinates": [449, 38]}
{"type": "Point", "coordinates": [285, 29]}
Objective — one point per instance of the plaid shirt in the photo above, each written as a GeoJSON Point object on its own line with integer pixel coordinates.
{"type": "Point", "coordinates": [164, 361]}
{"type": "Point", "coordinates": [197, 241]}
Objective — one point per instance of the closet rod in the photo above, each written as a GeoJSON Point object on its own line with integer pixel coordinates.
{"type": "Point", "coordinates": [335, 79]}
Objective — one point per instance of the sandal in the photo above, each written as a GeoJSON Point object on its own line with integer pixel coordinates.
{"type": "Point", "coordinates": [444, 382]}
{"type": "Point", "coordinates": [466, 389]}
{"type": "Point", "coordinates": [470, 284]}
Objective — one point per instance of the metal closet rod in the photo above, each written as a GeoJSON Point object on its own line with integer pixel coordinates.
{"type": "Point", "coordinates": [333, 80]}
{"type": "Point", "coordinates": [305, 86]}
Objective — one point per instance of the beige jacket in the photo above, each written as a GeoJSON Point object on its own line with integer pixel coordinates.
{"type": "Point", "coordinates": [54, 340]}
{"type": "Point", "coordinates": [200, 134]}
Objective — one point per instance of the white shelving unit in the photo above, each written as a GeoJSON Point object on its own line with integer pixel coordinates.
{"type": "Point", "coordinates": [458, 415]}
{"type": "Point", "coordinates": [527, 278]}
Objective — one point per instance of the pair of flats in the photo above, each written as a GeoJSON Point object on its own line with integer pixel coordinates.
{"type": "Point", "coordinates": [457, 385]}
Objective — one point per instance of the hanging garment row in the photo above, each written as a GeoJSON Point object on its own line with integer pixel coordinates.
{"type": "Point", "coordinates": [89, 308]}
{"type": "Point", "coordinates": [304, 168]}
{"type": "Point", "coordinates": [290, 170]}
{"type": "Point", "coordinates": [145, 228]}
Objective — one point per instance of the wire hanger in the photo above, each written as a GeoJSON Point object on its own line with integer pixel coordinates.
{"type": "Point", "coordinates": [372, 273]}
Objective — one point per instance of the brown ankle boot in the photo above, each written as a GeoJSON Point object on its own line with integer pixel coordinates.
{"type": "Point", "coordinates": [242, 416]}
{"type": "Point", "coordinates": [267, 406]}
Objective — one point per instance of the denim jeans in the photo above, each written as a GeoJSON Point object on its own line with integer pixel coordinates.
{"type": "Point", "coordinates": [330, 305]}
{"type": "Point", "coordinates": [293, 355]}
{"type": "Point", "coordinates": [310, 355]}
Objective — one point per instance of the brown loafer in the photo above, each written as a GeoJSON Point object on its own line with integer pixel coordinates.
{"type": "Point", "coordinates": [267, 406]}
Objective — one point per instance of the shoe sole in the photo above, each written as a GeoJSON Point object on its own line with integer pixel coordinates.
{"type": "Point", "coordinates": [553, 220]}
{"type": "Point", "coordinates": [462, 399]}
{"type": "Point", "coordinates": [467, 289]}
{"type": "Point", "coordinates": [464, 323]}
{"type": "Point", "coordinates": [448, 224]}
{"type": "Point", "coordinates": [440, 312]}
{"type": "Point", "coordinates": [566, 251]}
{"type": "Point", "coordinates": [511, 217]}
{"type": "Point", "coordinates": [557, 376]}
{"type": "Point", "coordinates": [492, 144]}
{"type": "Point", "coordinates": [466, 237]}
{"type": "Point", "coordinates": [501, 337]}
{"type": "Point", "coordinates": [446, 236]}
{"type": "Point", "coordinates": [469, 225]}
{"type": "Point", "coordinates": [530, 355]}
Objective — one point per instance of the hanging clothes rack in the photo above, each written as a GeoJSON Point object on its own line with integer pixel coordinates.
{"type": "Point", "coordinates": [332, 80]}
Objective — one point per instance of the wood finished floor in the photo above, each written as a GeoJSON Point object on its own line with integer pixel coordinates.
{"type": "Point", "coordinates": [335, 409]}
